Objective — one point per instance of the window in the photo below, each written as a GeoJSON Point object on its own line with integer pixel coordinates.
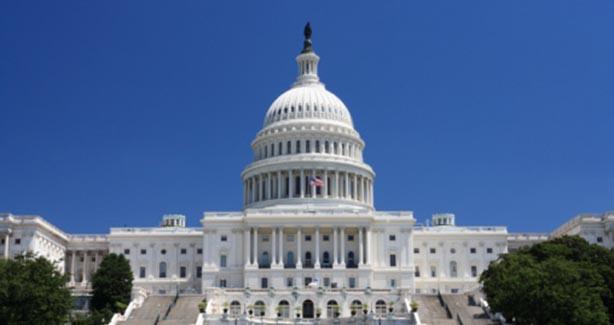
{"type": "Point", "coordinates": [199, 272]}
{"type": "Point", "coordinates": [350, 237]}
{"type": "Point", "coordinates": [298, 146]}
{"type": "Point", "coordinates": [127, 251]}
{"type": "Point", "coordinates": [326, 259]}
{"type": "Point", "coordinates": [289, 147]}
{"type": "Point", "coordinates": [307, 146]}
{"type": "Point", "coordinates": [2, 241]}
{"type": "Point", "coordinates": [453, 269]}
{"type": "Point", "coordinates": [184, 251]}
{"type": "Point", "coordinates": [417, 272]}
{"type": "Point", "coordinates": [327, 282]}
{"type": "Point", "coordinates": [393, 260]}
{"type": "Point", "coordinates": [182, 272]}
{"type": "Point", "coordinates": [318, 146]}
{"type": "Point", "coordinates": [472, 250]}
{"type": "Point", "coordinates": [224, 238]}
{"type": "Point", "coordinates": [392, 237]}
{"type": "Point", "coordinates": [199, 251]}
{"type": "Point", "coordinates": [142, 272]}
{"type": "Point", "coordinates": [600, 239]}
{"type": "Point", "coordinates": [264, 283]}
{"type": "Point", "coordinates": [222, 283]}
{"type": "Point", "coordinates": [306, 281]}
{"type": "Point", "coordinates": [265, 238]}
{"type": "Point", "coordinates": [17, 241]}
{"type": "Point", "coordinates": [433, 272]}
{"type": "Point", "coordinates": [326, 237]}
{"type": "Point", "coordinates": [162, 270]}
{"type": "Point", "coordinates": [393, 283]}
{"type": "Point", "coordinates": [452, 250]}
{"type": "Point", "coordinates": [307, 237]}
{"type": "Point", "coordinates": [290, 238]}
{"type": "Point", "coordinates": [163, 252]}
{"type": "Point", "coordinates": [223, 260]}
{"type": "Point", "coordinates": [289, 282]}
{"type": "Point", "coordinates": [474, 271]}
{"type": "Point", "coordinates": [416, 250]}
{"type": "Point", "coordinates": [143, 251]}
{"type": "Point", "coordinates": [433, 250]}
{"type": "Point", "coordinates": [352, 283]}
{"type": "Point", "coordinates": [489, 250]}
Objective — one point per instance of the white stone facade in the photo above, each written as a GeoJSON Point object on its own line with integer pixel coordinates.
{"type": "Point", "coordinates": [308, 238]}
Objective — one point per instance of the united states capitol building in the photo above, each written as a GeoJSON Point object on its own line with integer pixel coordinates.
{"type": "Point", "coordinates": [308, 240]}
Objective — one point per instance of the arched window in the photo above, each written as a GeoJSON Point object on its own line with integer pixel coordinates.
{"type": "Point", "coordinates": [272, 150]}
{"type": "Point", "coordinates": [326, 259]}
{"type": "Point", "coordinates": [259, 308]}
{"type": "Point", "coordinates": [335, 148]}
{"type": "Point", "coordinates": [266, 151]}
{"type": "Point", "coordinates": [283, 309]}
{"type": "Point", "coordinates": [307, 259]}
{"type": "Point", "coordinates": [356, 307]}
{"type": "Point", "coordinates": [326, 147]}
{"type": "Point", "coordinates": [453, 269]}
{"type": "Point", "coordinates": [307, 146]}
{"type": "Point", "coordinates": [289, 147]}
{"type": "Point", "coordinates": [380, 308]}
{"type": "Point", "coordinates": [264, 261]}
{"type": "Point", "coordinates": [235, 308]}
{"type": "Point", "coordinates": [162, 270]}
{"type": "Point", "coordinates": [298, 146]}
{"type": "Point", "coordinates": [332, 309]}
{"type": "Point", "coordinates": [318, 146]}
{"type": "Point", "coordinates": [279, 148]}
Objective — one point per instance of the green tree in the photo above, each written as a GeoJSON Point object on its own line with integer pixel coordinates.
{"type": "Point", "coordinates": [32, 291]}
{"type": "Point", "coordinates": [562, 281]}
{"type": "Point", "coordinates": [111, 287]}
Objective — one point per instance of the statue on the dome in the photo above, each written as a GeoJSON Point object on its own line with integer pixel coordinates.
{"type": "Point", "coordinates": [307, 42]}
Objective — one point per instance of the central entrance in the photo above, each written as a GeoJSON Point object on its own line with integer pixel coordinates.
{"type": "Point", "coordinates": [308, 309]}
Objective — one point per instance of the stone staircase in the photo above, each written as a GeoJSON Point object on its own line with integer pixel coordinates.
{"type": "Point", "coordinates": [431, 311]}
{"type": "Point", "coordinates": [465, 308]}
{"type": "Point", "coordinates": [161, 309]}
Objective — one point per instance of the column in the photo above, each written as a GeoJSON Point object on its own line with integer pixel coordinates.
{"type": "Point", "coordinates": [278, 184]}
{"type": "Point", "coordinates": [325, 190]}
{"type": "Point", "coordinates": [299, 250]}
{"type": "Point", "coordinates": [317, 263]}
{"type": "Point", "coordinates": [410, 249]}
{"type": "Point", "coordinates": [246, 247]}
{"type": "Point", "coordinates": [361, 252]}
{"type": "Point", "coordinates": [152, 272]}
{"type": "Point", "coordinates": [336, 184]}
{"type": "Point", "coordinates": [251, 190]}
{"type": "Point", "coordinates": [369, 250]}
{"type": "Point", "coordinates": [281, 247]}
{"type": "Point", "coordinates": [72, 267]}
{"type": "Point", "coordinates": [273, 250]}
{"type": "Point", "coordinates": [355, 187]}
{"type": "Point", "coordinates": [7, 241]}
{"type": "Point", "coordinates": [347, 186]}
{"type": "Point", "coordinates": [342, 230]}
{"type": "Point", "coordinates": [244, 192]}
{"type": "Point", "coordinates": [382, 248]}
{"type": "Point", "coordinates": [302, 183]}
{"type": "Point", "coordinates": [260, 185]}
{"type": "Point", "coordinates": [335, 245]}
{"type": "Point", "coordinates": [255, 247]}
{"type": "Point", "coordinates": [362, 190]}
{"type": "Point", "coordinates": [372, 200]}
{"type": "Point", "coordinates": [269, 185]}
{"type": "Point", "coordinates": [313, 185]}
{"type": "Point", "coordinates": [84, 270]}
{"type": "Point", "coordinates": [290, 184]}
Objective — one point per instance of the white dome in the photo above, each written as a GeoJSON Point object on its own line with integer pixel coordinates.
{"type": "Point", "coordinates": [309, 101]}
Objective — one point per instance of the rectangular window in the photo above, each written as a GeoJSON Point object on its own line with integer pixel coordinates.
{"type": "Point", "coordinates": [298, 146]}
{"type": "Point", "coordinates": [393, 283]}
{"type": "Point", "coordinates": [352, 283]}
{"type": "Point", "coordinates": [433, 250]}
{"type": "Point", "coordinates": [199, 251]}
{"type": "Point", "coordinates": [290, 238]}
{"type": "Point", "coordinates": [307, 281]}
{"type": "Point", "coordinates": [327, 282]}
{"type": "Point", "coordinates": [17, 241]}
{"type": "Point", "coordinates": [142, 272]}
{"type": "Point", "coordinates": [289, 282]}
{"type": "Point", "coordinates": [199, 272]}
{"type": "Point", "coordinates": [265, 238]}
{"type": "Point", "coordinates": [184, 251]}
{"type": "Point", "coordinates": [143, 251]}
{"type": "Point", "coordinates": [182, 272]}
{"type": "Point", "coordinates": [350, 237]}
{"type": "Point", "coordinates": [472, 250]}
{"type": "Point", "coordinates": [325, 237]}
{"type": "Point", "coordinates": [264, 283]}
{"type": "Point", "coordinates": [433, 272]}
{"type": "Point", "coordinates": [600, 239]}
{"type": "Point", "coordinates": [307, 146]}
{"type": "Point", "coordinates": [417, 272]}
{"type": "Point", "coordinates": [416, 250]}
{"type": "Point", "coordinates": [223, 260]}
{"type": "Point", "coordinates": [2, 241]}
{"type": "Point", "coordinates": [474, 271]}
{"type": "Point", "coordinates": [307, 237]}
{"type": "Point", "coordinates": [222, 283]}
{"type": "Point", "coordinates": [489, 250]}
{"type": "Point", "coordinates": [127, 251]}
{"type": "Point", "coordinates": [392, 237]}
{"type": "Point", "coordinates": [224, 238]}
{"type": "Point", "coordinates": [393, 260]}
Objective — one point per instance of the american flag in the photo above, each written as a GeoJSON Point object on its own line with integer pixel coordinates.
{"type": "Point", "coordinates": [316, 181]}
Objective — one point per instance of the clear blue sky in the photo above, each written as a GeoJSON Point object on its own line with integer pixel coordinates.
{"type": "Point", "coordinates": [114, 113]}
